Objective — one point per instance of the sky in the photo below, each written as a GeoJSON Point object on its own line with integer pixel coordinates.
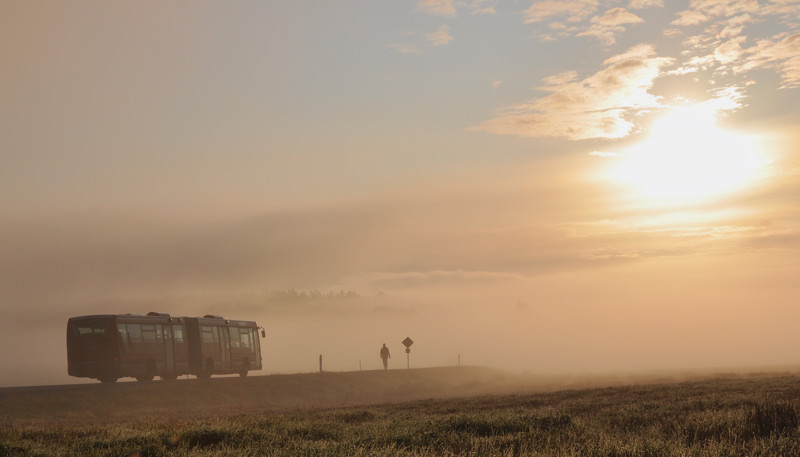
{"type": "Point", "coordinates": [576, 186]}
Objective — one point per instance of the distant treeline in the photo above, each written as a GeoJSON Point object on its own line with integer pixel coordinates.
{"type": "Point", "coordinates": [292, 295]}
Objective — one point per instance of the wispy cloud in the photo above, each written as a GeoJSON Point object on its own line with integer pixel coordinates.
{"type": "Point", "coordinates": [782, 7]}
{"type": "Point", "coordinates": [723, 46]}
{"type": "Point", "coordinates": [729, 51]}
{"type": "Point", "coordinates": [690, 17]}
{"type": "Point", "coordinates": [405, 49]}
{"type": "Point", "coordinates": [440, 37]}
{"type": "Point", "coordinates": [701, 11]}
{"type": "Point", "coordinates": [642, 4]}
{"type": "Point", "coordinates": [781, 53]}
{"type": "Point", "coordinates": [572, 10]}
{"type": "Point", "coordinates": [447, 8]}
{"type": "Point", "coordinates": [437, 7]}
{"type": "Point", "coordinates": [694, 65]}
{"type": "Point", "coordinates": [599, 106]}
{"type": "Point", "coordinates": [482, 7]}
{"type": "Point", "coordinates": [604, 28]}
{"type": "Point", "coordinates": [578, 18]}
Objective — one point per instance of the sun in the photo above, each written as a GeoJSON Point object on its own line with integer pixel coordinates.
{"type": "Point", "coordinates": [688, 157]}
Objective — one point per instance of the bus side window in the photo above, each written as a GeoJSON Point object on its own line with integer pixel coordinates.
{"type": "Point", "coordinates": [209, 334]}
{"type": "Point", "coordinates": [132, 338]}
{"type": "Point", "coordinates": [123, 333]}
{"type": "Point", "coordinates": [234, 333]}
{"type": "Point", "coordinates": [134, 333]}
{"type": "Point", "coordinates": [177, 333]}
{"type": "Point", "coordinates": [245, 337]}
{"type": "Point", "coordinates": [149, 334]}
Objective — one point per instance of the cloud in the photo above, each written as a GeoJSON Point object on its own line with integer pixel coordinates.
{"type": "Point", "coordinates": [724, 48]}
{"type": "Point", "coordinates": [405, 49]}
{"type": "Point", "coordinates": [604, 28]}
{"type": "Point", "coordinates": [560, 78]}
{"type": "Point", "coordinates": [596, 107]}
{"type": "Point", "coordinates": [788, 8]}
{"type": "Point", "coordinates": [690, 17]}
{"type": "Point", "coordinates": [782, 53]}
{"type": "Point", "coordinates": [735, 25]}
{"type": "Point", "coordinates": [642, 4]}
{"type": "Point", "coordinates": [573, 10]}
{"type": "Point", "coordinates": [617, 16]}
{"type": "Point", "coordinates": [496, 84]}
{"type": "Point", "coordinates": [722, 29]}
{"type": "Point", "coordinates": [440, 37]}
{"type": "Point", "coordinates": [576, 13]}
{"type": "Point", "coordinates": [695, 64]}
{"type": "Point", "coordinates": [729, 51]}
{"type": "Point", "coordinates": [724, 8]}
{"type": "Point", "coordinates": [701, 11]}
{"type": "Point", "coordinates": [437, 7]}
{"type": "Point", "coordinates": [725, 45]}
{"type": "Point", "coordinates": [480, 7]}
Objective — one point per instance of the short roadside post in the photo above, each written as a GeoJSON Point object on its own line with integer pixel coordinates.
{"type": "Point", "coordinates": [407, 343]}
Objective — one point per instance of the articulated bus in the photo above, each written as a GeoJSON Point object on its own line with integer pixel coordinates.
{"type": "Point", "coordinates": [113, 346]}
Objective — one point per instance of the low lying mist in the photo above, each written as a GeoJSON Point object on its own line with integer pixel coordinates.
{"type": "Point", "coordinates": [347, 329]}
{"type": "Point", "coordinates": [340, 284]}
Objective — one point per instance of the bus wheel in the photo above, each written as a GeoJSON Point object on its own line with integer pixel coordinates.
{"type": "Point", "coordinates": [108, 380]}
{"type": "Point", "coordinates": [149, 372]}
{"type": "Point", "coordinates": [245, 368]}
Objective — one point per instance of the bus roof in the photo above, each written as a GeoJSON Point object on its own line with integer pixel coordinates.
{"type": "Point", "coordinates": [220, 320]}
{"type": "Point", "coordinates": [164, 317]}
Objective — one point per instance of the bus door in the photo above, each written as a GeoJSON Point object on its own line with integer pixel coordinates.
{"type": "Point", "coordinates": [225, 348]}
{"type": "Point", "coordinates": [169, 349]}
{"type": "Point", "coordinates": [256, 342]}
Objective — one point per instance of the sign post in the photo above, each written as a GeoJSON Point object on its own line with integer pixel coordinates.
{"type": "Point", "coordinates": [407, 343]}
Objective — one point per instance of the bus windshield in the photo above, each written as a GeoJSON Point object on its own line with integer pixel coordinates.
{"type": "Point", "coordinates": [91, 326]}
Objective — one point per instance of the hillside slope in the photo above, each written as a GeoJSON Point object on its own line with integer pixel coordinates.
{"type": "Point", "coordinates": [195, 398]}
{"type": "Point", "coordinates": [722, 415]}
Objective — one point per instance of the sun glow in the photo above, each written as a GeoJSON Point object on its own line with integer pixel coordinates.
{"type": "Point", "coordinates": [687, 157]}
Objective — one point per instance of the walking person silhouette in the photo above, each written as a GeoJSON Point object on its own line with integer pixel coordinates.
{"type": "Point", "coordinates": [385, 356]}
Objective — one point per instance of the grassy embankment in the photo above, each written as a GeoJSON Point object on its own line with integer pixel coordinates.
{"type": "Point", "coordinates": [735, 415]}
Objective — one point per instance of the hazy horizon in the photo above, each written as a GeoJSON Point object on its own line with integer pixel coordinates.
{"type": "Point", "coordinates": [551, 187]}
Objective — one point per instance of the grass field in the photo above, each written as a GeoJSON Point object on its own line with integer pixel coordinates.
{"type": "Point", "coordinates": [396, 413]}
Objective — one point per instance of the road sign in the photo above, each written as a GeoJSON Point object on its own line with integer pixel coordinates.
{"type": "Point", "coordinates": [407, 343]}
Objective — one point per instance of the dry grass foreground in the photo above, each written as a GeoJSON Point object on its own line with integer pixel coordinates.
{"type": "Point", "coordinates": [314, 415]}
